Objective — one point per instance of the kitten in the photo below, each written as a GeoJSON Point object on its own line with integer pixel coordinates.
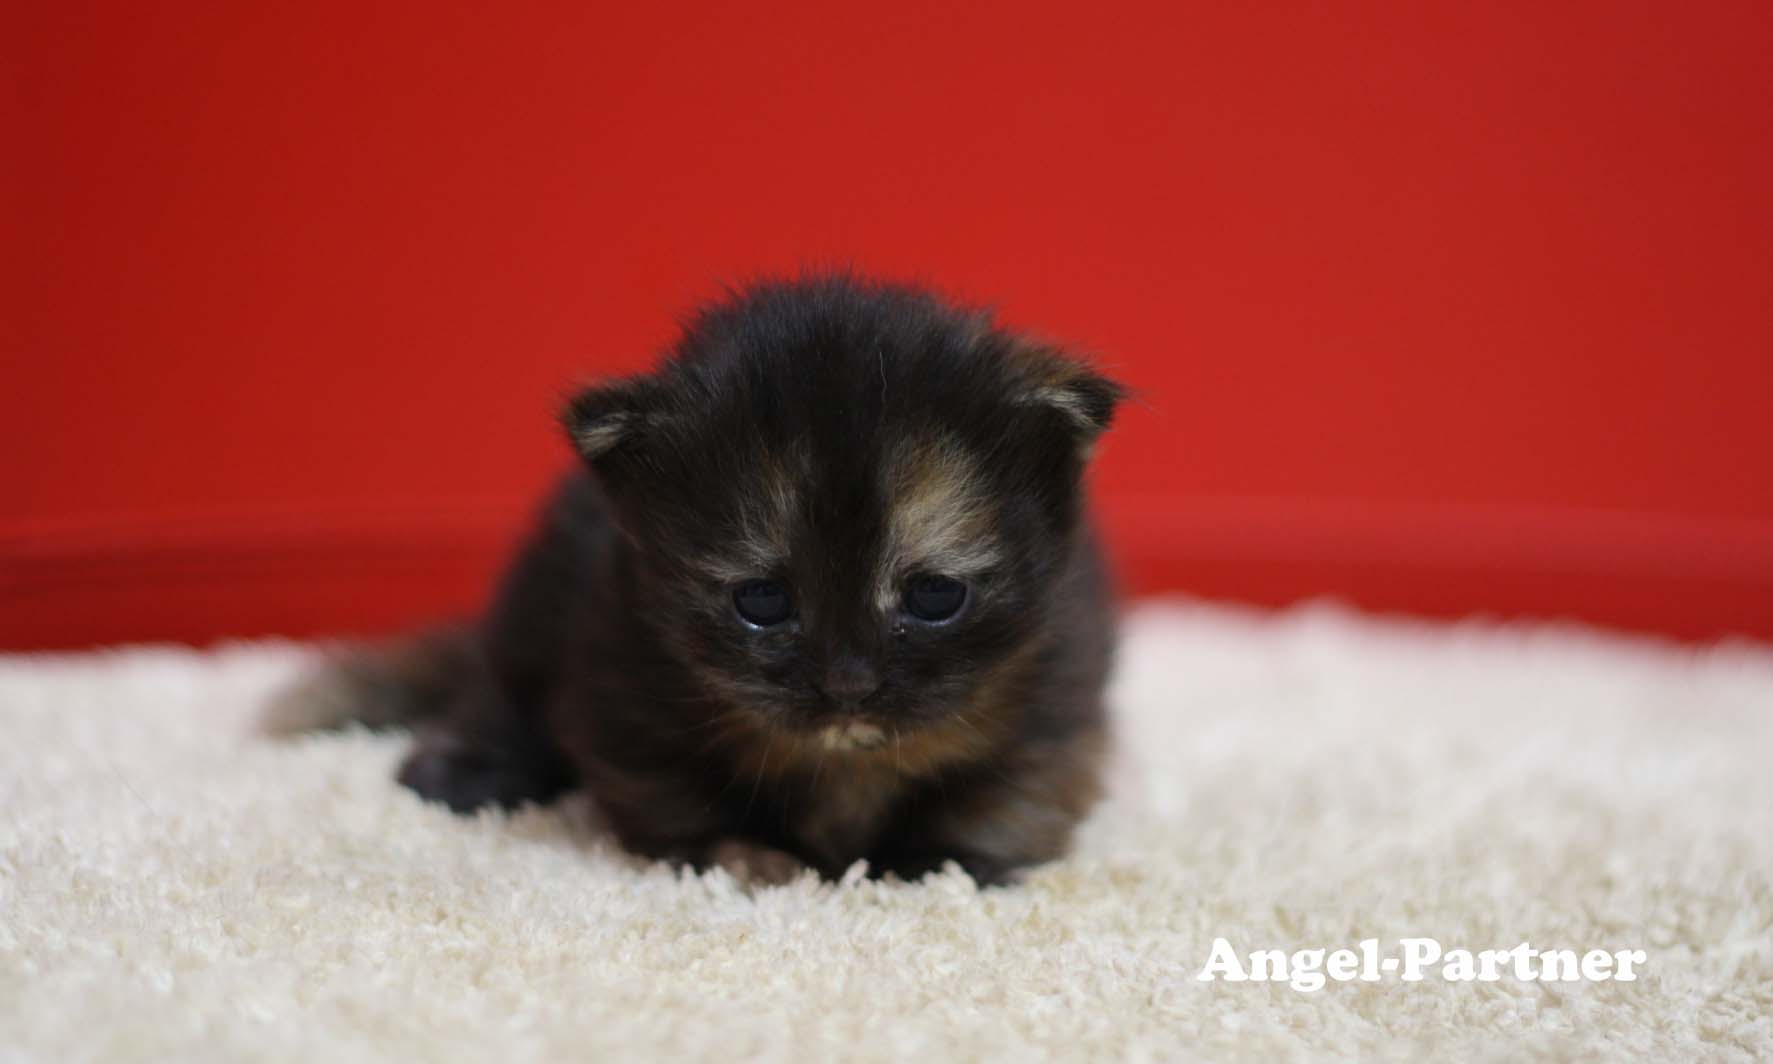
{"type": "Point", "coordinates": [824, 586]}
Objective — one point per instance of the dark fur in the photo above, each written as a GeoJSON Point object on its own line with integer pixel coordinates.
{"type": "Point", "coordinates": [613, 659]}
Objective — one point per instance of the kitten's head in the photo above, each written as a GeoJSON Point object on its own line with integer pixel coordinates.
{"type": "Point", "coordinates": [854, 503]}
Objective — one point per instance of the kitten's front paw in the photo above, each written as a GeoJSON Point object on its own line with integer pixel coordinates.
{"type": "Point", "coordinates": [752, 863]}
{"type": "Point", "coordinates": [466, 779]}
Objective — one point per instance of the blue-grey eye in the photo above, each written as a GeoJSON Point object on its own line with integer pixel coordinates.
{"type": "Point", "coordinates": [929, 597]}
{"type": "Point", "coordinates": [763, 602]}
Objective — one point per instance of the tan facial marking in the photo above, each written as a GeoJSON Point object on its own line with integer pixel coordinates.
{"type": "Point", "coordinates": [760, 527]}
{"type": "Point", "coordinates": [939, 517]}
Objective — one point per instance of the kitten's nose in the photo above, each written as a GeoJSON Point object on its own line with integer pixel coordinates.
{"type": "Point", "coordinates": [850, 679]}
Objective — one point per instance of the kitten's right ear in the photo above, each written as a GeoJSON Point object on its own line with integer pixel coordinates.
{"type": "Point", "coordinates": [609, 417]}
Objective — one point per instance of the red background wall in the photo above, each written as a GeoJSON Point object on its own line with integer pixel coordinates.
{"type": "Point", "coordinates": [1439, 307]}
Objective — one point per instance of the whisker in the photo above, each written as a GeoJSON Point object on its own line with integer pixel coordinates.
{"type": "Point", "coordinates": [818, 767]}
{"type": "Point", "coordinates": [758, 782]}
{"type": "Point", "coordinates": [724, 717]}
{"type": "Point", "coordinates": [992, 768]}
{"type": "Point", "coordinates": [961, 720]}
{"type": "Point", "coordinates": [715, 741]}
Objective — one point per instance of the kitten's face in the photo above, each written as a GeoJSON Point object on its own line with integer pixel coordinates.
{"type": "Point", "coordinates": [849, 593]}
{"type": "Point", "coordinates": [854, 512]}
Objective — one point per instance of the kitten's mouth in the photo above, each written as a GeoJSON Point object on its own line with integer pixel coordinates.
{"type": "Point", "coordinates": [852, 733]}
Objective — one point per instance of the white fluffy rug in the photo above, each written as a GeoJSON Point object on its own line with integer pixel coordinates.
{"type": "Point", "coordinates": [172, 887]}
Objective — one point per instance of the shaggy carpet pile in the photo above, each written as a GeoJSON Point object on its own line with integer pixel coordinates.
{"type": "Point", "coordinates": [175, 887]}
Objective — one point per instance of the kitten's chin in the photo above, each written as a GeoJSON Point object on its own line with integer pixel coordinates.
{"type": "Point", "coordinates": [852, 733]}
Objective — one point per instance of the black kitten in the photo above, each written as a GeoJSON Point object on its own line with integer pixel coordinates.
{"type": "Point", "coordinates": [824, 587]}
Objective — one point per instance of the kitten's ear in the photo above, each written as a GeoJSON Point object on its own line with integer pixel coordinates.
{"type": "Point", "coordinates": [609, 417]}
{"type": "Point", "coordinates": [1084, 399]}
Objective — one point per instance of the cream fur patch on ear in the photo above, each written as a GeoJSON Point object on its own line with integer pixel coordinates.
{"type": "Point", "coordinates": [605, 416]}
{"type": "Point", "coordinates": [939, 519]}
{"type": "Point", "coordinates": [1085, 398]}
{"type": "Point", "coordinates": [1066, 402]}
{"type": "Point", "coordinates": [597, 437]}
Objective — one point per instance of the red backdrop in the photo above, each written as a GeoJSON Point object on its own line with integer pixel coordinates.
{"type": "Point", "coordinates": [1439, 307]}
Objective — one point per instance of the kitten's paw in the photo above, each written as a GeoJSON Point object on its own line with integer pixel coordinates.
{"type": "Point", "coordinates": [752, 863]}
{"type": "Point", "coordinates": [466, 779]}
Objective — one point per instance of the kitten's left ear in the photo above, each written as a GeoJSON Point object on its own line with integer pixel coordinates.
{"type": "Point", "coordinates": [609, 417]}
{"type": "Point", "coordinates": [1085, 399]}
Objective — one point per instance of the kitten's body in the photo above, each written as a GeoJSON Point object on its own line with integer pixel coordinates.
{"type": "Point", "coordinates": [861, 451]}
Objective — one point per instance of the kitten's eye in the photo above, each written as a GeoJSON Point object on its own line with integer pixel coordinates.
{"type": "Point", "coordinates": [762, 602]}
{"type": "Point", "coordinates": [934, 598]}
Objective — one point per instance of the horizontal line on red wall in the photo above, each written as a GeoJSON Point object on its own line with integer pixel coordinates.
{"type": "Point", "coordinates": [198, 575]}
{"type": "Point", "coordinates": [46, 553]}
{"type": "Point", "coordinates": [1503, 536]}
